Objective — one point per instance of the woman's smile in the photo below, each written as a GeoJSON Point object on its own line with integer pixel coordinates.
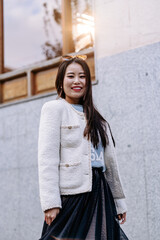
{"type": "Point", "coordinates": [77, 89]}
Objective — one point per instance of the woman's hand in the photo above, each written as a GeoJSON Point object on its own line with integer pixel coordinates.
{"type": "Point", "coordinates": [51, 214]}
{"type": "Point", "coordinates": [122, 217]}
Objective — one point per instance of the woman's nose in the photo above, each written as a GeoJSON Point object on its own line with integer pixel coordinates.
{"type": "Point", "coordinates": [76, 80]}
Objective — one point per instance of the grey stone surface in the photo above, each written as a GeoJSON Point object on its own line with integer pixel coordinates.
{"type": "Point", "coordinates": [21, 214]}
{"type": "Point", "coordinates": [128, 96]}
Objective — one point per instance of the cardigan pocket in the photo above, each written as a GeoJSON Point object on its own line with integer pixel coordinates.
{"type": "Point", "coordinates": [70, 136]}
{"type": "Point", "coordinates": [70, 175]}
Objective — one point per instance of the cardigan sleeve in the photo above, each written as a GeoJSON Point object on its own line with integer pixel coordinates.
{"type": "Point", "coordinates": [121, 205]}
{"type": "Point", "coordinates": [113, 175]}
{"type": "Point", "coordinates": [48, 155]}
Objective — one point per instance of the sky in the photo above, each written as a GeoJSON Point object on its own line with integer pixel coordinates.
{"type": "Point", "coordinates": [24, 32]}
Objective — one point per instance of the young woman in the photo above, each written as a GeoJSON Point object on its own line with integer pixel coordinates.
{"type": "Point", "coordinates": [80, 187]}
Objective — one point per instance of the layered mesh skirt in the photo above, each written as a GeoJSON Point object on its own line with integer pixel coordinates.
{"type": "Point", "coordinates": [90, 215]}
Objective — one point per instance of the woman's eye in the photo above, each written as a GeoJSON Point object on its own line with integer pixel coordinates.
{"type": "Point", "coordinates": [70, 76]}
{"type": "Point", "coordinates": [82, 76]}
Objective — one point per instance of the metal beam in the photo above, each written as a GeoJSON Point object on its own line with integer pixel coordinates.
{"type": "Point", "coordinates": [1, 38]}
{"type": "Point", "coordinates": [67, 38]}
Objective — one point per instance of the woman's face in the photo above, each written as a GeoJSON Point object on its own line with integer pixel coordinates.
{"type": "Point", "coordinates": [74, 83]}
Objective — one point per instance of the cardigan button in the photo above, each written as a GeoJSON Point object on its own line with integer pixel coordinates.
{"type": "Point", "coordinates": [66, 165]}
{"type": "Point", "coordinates": [69, 127]}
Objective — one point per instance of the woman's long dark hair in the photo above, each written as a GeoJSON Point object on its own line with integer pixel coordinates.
{"type": "Point", "coordinates": [96, 124]}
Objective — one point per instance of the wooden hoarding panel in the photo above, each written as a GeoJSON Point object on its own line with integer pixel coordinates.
{"type": "Point", "coordinates": [14, 89]}
{"type": "Point", "coordinates": [45, 80]}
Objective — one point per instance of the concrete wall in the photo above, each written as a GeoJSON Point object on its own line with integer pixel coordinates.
{"type": "Point", "coordinates": [127, 47]}
{"type": "Point", "coordinates": [21, 214]}
{"type": "Point", "coordinates": [128, 96]}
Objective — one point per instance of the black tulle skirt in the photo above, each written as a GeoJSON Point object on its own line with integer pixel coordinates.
{"type": "Point", "coordinates": [90, 215]}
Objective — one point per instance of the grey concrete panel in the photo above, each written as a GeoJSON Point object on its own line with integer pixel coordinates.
{"type": "Point", "coordinates": [128, 96]}
{"type": "Point", "coordinates": [133, 178]}
{"type": "Point", "coordinates": [9, 199]}
{"type": "Point", "coordinates": [152, 166]}
{"type": "Point", "coordinates": [29, 205]}
{"type": "Point", "coordinates": [21, 215]}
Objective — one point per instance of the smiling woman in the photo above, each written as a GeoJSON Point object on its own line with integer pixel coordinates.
{"type": "Point", "coordinates": [82, 198]}
{"type": "Point", "coordinates": [74, 83]}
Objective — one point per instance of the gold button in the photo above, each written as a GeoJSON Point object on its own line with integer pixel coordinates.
{"type": "Point", "coordinates": [70, 127]}
{"type": "Point", "coordinates": [67, 165]}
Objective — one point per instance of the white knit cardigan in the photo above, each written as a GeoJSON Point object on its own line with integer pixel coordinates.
{"type": "Point", "coordinates": [64, 157]}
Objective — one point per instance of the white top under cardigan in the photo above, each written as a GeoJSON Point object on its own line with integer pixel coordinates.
{"type": "Point", "coordinates": [64, 157]}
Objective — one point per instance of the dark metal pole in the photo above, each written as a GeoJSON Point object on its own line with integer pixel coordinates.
{"type": "Point", "coordinates": [1, 38]}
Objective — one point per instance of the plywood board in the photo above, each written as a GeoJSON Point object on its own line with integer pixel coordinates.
{"type": "Point", "coordinates": [14, 89]}
{"type": "Point", "coordinates": [44, 80]}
